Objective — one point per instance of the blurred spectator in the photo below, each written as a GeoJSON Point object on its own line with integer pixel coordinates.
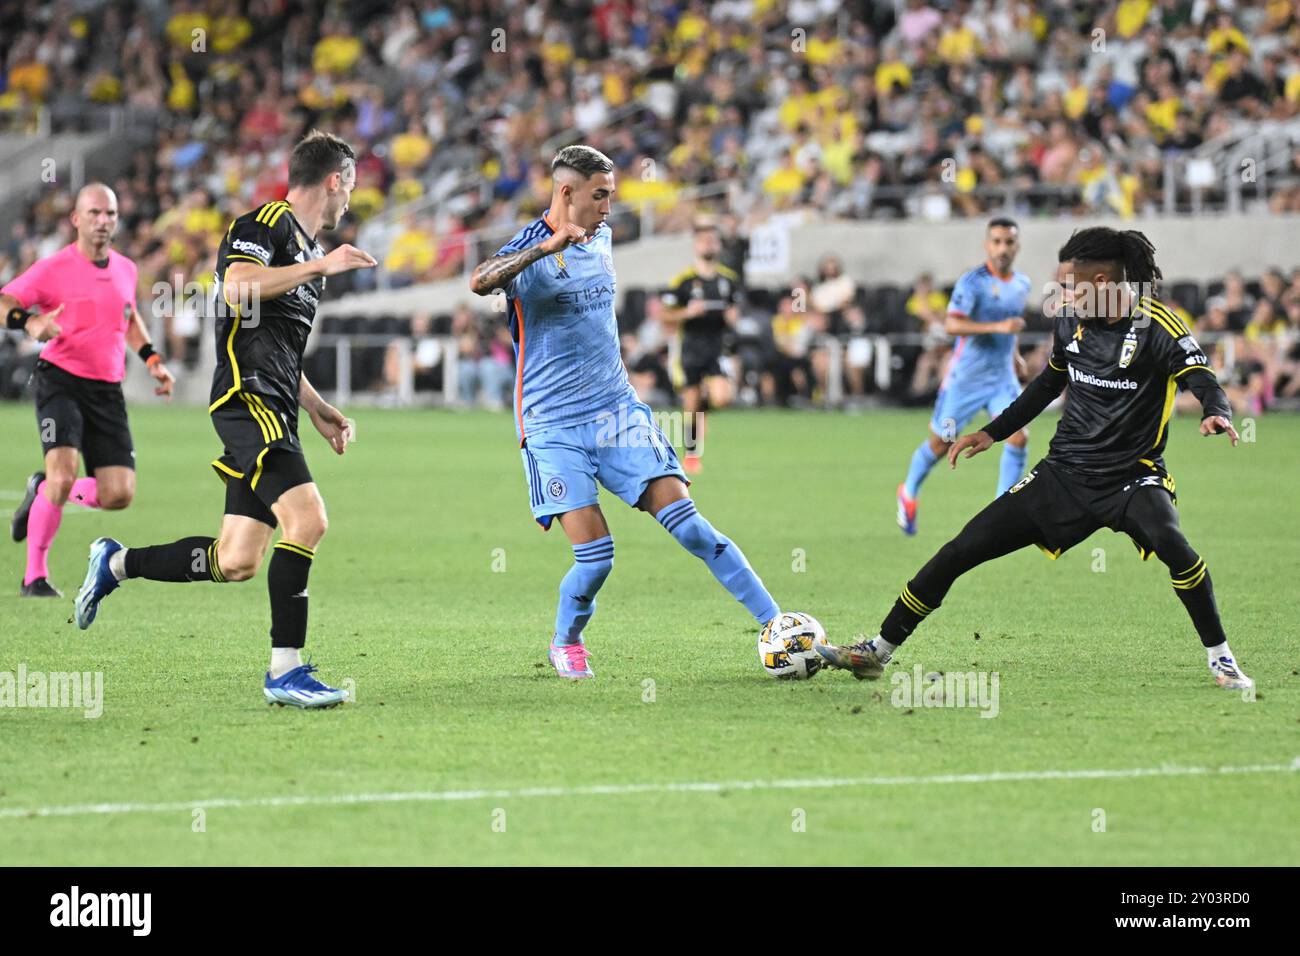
{"type": "Point", "coordinates": [929, 307]}
{"type": "Point", "coordinates": [426, 358]}
{"type": "Point", "coordinates": [485, 367]}
{"type": "Point", "coordinates": [1236, 303]}
{"type": "Point", "coordinates": [789, 375]}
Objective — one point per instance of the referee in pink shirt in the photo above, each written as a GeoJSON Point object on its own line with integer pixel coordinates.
{"type": "Point", "coordinates": [81, 300]}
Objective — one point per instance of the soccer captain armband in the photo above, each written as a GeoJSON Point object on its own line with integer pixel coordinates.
{"type": "Point", "coordinates": [17, 318]}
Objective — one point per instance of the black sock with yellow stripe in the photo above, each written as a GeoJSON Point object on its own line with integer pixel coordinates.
{"type": "Point", "coordinates": [908, 611]}
{"type": "Point", "coordinates": [286, 581]}
{"type": "Point", "coordinates": [1195, 590]}
{"type": "Point", "coordinates": [189, 559]}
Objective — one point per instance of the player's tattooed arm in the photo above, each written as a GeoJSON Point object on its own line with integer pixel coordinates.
{"type": "Point", "coordinates": [497, 272]}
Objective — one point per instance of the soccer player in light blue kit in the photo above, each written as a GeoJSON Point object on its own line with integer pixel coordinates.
{"type": "Point", "coordinates": [578, 420]}
{"type": "Point", "coordinates": [986, 311]}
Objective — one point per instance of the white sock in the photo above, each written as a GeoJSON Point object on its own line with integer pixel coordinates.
{"type": "Point", "coordinates": [283, 660]}
{"type": "Point", "coordinates": [117, 564]}
{"type": "Point", "coordinates": [1223, 650]}
{"type": "Point", "coordinates": [884, 650]}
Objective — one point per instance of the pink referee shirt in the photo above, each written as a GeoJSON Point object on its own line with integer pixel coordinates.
{"type": "Point", "coordinates": [97, 310]}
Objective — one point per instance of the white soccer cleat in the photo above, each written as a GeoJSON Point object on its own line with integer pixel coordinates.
{"type": "Point", "coordinates": [1229, 676]}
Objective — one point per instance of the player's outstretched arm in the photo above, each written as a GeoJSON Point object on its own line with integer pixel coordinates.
{"type": "Point", "coordinates": [971, 444]}
{"type": "Point", "coordinates": [336, 427]}
{"type": "Point", "coordinates": [250, 281]}
{"type": "Point", "coordinates": [1038, 394]}
{"type": "Point", "coordinates": [1215, 409]}
{"type": "Point", "coordinates": [497, 272]}
{"type": "Point", "coordinates": [955, 324]}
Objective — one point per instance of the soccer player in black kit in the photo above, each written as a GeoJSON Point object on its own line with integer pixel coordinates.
{"type": "Point", "coordinates": [704, 302]}
{"type": "Point", "coordinates": [270, 275]}
{"type": "Point", "coordinates": [1124, 355]}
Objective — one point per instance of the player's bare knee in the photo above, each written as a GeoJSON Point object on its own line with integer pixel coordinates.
{"type": "Point", "coordinates": [58, 488]}
{"type": "Point", "coordinates": [115, 500]}
{"type": "Point", "coordinates": [238, 572]}
{"type": "Point", "coordinates": [307, 529]}
{"type": "Point", "coordinates": [239, 565]}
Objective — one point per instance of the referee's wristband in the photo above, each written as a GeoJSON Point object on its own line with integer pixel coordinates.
{"type": "Point", "coordinates": [17, 318]}
{"type": "Point", "coordinates": [148, 355]}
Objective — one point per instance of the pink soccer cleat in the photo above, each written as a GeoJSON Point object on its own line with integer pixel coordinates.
{"type": "Point", "coordinates": [570, 660]}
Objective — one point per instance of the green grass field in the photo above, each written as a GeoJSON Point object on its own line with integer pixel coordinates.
{"type": "Point", "coordinates": [463, 747]}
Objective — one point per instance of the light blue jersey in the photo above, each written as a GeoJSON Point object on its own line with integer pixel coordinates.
{"type": "Point", "coordinates": [983, 296]}
{"type": "Point", "coordinates": [569, 369]}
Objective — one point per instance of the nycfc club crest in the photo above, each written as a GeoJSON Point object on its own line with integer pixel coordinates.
{"type": "Point", "coordinates": [1128, 349]}
{"type": "Point", "coordinates": [556, 488]}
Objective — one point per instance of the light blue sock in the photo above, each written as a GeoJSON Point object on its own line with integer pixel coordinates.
{"type": "Point", "coordinates": [721, 555]}
{"type": "Point", "coordinates": [1013, 466]}
{"type": "Point", "coordinates": [592, 563]}
{"type": "Point", "coordinates": [923, 460]}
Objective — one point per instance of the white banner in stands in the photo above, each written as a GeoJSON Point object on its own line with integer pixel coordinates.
{"type": "Point", "coordinates": [769, 250]}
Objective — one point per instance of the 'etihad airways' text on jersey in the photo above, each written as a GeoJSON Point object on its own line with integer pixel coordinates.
{"type": "Point", "coordinates": [569, 369]}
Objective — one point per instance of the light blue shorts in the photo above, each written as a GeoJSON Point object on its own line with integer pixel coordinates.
{"type": "Point", "coordinates": [958, 403]}
{"type": "Point", "coordinates": [624, 451]}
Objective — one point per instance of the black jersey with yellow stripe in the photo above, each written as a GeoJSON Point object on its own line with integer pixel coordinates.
{"type": "Point", "coordinates": [260, 342]}
{"type": "Point", "coordinates": [718, 292]}
{"type": "Point", "coordinates": [1122, 378]}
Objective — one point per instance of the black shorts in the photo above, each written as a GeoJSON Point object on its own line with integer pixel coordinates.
{"type": "Point", "coordinates": [701, 359]}
{"type": "Point", "coordinates": [1067, 507]}
{"type": "Point", "coordinates": [262, 458]}
{"type": "Point", "coordinates": [82, 413]}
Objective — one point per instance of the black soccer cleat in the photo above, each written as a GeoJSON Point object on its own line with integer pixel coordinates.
{"type": "Point", "coordinates": [40, 588]}
{"type": "Point", "coordinates": [18, 523]}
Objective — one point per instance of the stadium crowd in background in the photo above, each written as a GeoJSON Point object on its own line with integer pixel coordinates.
{"type": "Point", "coordinates": [822, 108]}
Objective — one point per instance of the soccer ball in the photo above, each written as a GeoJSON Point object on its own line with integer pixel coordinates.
{"type": "Point", "coordinates": [787, 646]}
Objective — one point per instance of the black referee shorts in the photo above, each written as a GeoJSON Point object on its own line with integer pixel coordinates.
{"type": "Point", "coordinates": [82, 413]}
{"type": "Point", "coordinates": [262, 458]}
{"type": "Point", "coordinates": [1066, 507]}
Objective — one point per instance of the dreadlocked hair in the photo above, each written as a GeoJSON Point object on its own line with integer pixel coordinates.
{"type": "Point", "coordinates": [1128, 249]}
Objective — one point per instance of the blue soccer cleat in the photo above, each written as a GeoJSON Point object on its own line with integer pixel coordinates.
{"type": "Point", "coordinates": [297, 688]}
{"type": "Point", "coordinates": [99, 581]}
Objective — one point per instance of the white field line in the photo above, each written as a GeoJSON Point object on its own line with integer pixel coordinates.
{"type": "Point", "coordinates": [74, 510]}
{"type": "Point", "coordinates": [528, 793]}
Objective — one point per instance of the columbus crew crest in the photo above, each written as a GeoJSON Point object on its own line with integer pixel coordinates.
{"type": "Point", "coordinates": [1128, 349]}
